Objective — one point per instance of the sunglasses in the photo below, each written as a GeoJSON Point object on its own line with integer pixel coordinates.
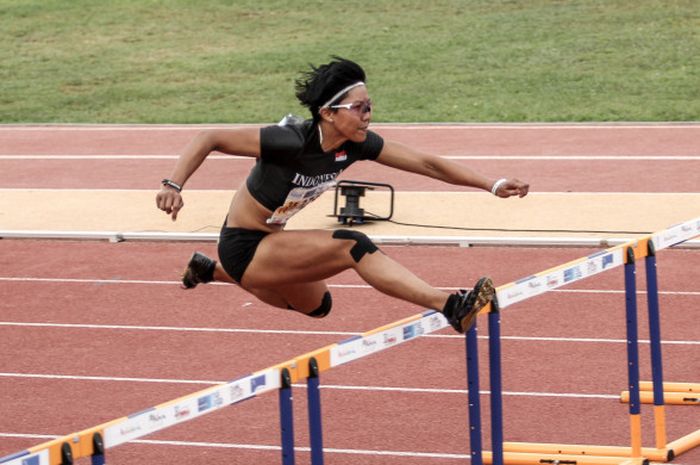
{"type": "Point", "coordinates": [357, 107]}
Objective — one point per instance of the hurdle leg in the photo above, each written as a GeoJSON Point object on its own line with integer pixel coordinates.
{"type": "Point", "coordinates": [633, 354]}
{"type": "Point", "coordinates": [66, 454]}
{"type": "Point", "coordinates": [474, 401]}
{"type": "Point", "coordinates": [655, 344]}
{"type": "Point", "coordinates": [286, 418]}
{"type": "Point", "coordinates": [496, 383]}
{"type": "Point", "coordinates": [98, 450]}
{"type": "Point", "coordinates": [314, 406]}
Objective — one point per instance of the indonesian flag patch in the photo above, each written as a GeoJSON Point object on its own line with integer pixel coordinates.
{"type": "Point", "coordinates": [341, 156]}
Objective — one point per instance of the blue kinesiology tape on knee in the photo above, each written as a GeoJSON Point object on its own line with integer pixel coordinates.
{"type": "Point", "coordinates": [363, 244]}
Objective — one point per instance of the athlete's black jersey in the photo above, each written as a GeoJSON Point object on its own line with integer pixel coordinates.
{"type": "Point", "coordinates": [293, 170]}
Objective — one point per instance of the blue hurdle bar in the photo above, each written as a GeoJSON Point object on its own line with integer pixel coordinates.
{"type": "Point", "coordinates": [496, 383]}
{"type": "Point", "coordinates": [473, 389]}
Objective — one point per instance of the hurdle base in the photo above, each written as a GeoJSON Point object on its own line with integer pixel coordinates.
{"type": "Point", "coordinates": [523, 458]}
{"type": "Point", "coordinates": [686, 443]}
{"type": "Point", "coordinates": [659, 455]}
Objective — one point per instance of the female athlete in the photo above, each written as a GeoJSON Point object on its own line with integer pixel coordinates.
{"type": "Point", "coordinates": [295, 164]}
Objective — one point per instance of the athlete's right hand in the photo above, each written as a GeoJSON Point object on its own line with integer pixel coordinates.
{"type": "Point", "coordinates": [170, 201]}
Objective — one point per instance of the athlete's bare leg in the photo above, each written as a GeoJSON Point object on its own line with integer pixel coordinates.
{"type": "Point", "coordinates": [293, 257]}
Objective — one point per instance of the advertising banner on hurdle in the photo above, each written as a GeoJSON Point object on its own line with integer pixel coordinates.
{"type": "Point", "coordinates": [25, 458]}
{"type": "Point", "coordinates": [676, 234]}
{"type": "Point", "coordinates": [375, 341]}
{"type": "Point", "coordinates": [187, 408]}
{"type": "Point", "coordinates": [557, 277]}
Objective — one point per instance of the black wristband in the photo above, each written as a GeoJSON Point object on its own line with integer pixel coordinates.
{"type": "Point", "coordinates": [174, 185]}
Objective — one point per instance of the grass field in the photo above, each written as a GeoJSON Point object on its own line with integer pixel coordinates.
{"type": "Point", "coordinates": [206, 61]}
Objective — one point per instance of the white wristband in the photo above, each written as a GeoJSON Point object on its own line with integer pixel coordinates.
{"type": "Point", "coordinates": [497, 184]}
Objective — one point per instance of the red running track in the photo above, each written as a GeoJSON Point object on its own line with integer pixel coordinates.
{"type": "Point", "coordinates": [92, 331]}
{"type": "Point", "coordinates": [133, 285]}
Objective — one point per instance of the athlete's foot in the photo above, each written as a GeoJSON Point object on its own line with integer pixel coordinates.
{"type": "Point", "coordinates": [462, 307]}
{"type": "Point", "coordinates": [200, 269]}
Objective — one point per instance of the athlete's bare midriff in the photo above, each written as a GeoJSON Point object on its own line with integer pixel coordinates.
{"type": "Point", "coordinates": [246, 212]}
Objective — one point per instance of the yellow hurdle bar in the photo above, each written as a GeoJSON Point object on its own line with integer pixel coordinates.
{"type": "Point", "coordinates": [621, 452]}
{"type": "Point", "coordinates": [676, 398]}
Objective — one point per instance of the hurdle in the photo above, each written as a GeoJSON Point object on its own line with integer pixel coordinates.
{"type": "Point", "coordinates": [532, 453]}
{"type": "Point", "coordinates": [627, 254]}
{"type": "Point", "coordinates": [93, 442]}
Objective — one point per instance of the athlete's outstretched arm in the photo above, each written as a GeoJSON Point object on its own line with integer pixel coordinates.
{"type": "Point", "coordinates": [407, 159]}
{"type": "Point", "coordinates": [243, 141]}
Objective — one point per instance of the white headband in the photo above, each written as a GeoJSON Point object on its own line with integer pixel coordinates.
{"type": "Point", "coordinates": [333, 99]}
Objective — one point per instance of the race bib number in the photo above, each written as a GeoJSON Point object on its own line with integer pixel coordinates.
{"type": "Point", "coordinates": [298, 198]}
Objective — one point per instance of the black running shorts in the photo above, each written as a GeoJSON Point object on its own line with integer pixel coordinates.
{"type": "Point", "coordinates": [236, 249]}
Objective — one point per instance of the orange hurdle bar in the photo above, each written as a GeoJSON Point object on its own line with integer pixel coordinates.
{"type": "Point", "coordinates": [539, 457]}
{"type": "Point", "coordinates": [621, 452]}
{"type": "Point", "coordinates": [671, 387]}
{"type": "Point", "coordinates": [676, 398]}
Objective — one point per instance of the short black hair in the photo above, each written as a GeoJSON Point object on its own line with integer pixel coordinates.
{"type": "Point", "coordinates": [315, 87]}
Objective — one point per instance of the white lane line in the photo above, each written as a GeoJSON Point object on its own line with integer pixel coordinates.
{"type": "Point", "coordinates": [107, 157]}
{"type": "Point", "coordinates": [107, 378]}
{"type": "Point", "coordinates": [337, 387]}
{"type": "Point", "coordinates": [336, 286]}
{"type": "Point", "coordinates": [449, 157]}
{"type": "Point", "coordinates": [584, 340]}
{"type": "Point", "coordinates": [464, 391]}
{"type": "Point", "coordinates": [22, 324]}
{"type": "Point", "coordinates": [432, 193]}
{"type": "Point", "coordinates": [539, 126]}
{"type": "Point", "coordinates": [175, 328]}
{"type": "Point", "coordinates": [262, 447]}
{"type": "Point", "coordinates": [402, 126]}
{"type": "Point", "coordinates": [92, 281]}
